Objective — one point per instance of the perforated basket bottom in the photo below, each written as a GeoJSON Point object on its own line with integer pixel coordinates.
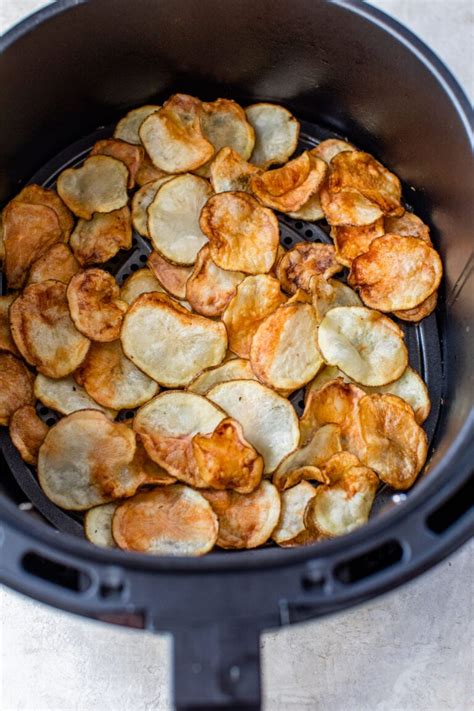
{"type": "Point", "coordinates": [422, 339]}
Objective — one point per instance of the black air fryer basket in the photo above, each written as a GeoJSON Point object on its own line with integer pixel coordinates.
{"type": "Point", "coordinates": [344, 69]}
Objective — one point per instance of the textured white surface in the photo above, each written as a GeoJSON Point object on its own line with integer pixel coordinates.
{"type": "Point", "coordinates": [410, 650]}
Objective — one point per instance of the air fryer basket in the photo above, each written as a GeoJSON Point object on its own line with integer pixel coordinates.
{"type": "Point", "coordinates": [347, 70]}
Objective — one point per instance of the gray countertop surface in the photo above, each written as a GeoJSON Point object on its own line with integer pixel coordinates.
{"type": "Point", "coordinates": [410, 650]}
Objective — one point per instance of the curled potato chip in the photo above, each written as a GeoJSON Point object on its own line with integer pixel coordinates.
{"type": "Point", "coordinates": [419, 312]}
{"type": "Point", "coordinates": [169, 344]}
{"type": "Point", "coordinates": [172, 521]}
{"type": "Point", "coordinates": [100, 238]}
{"type": "Point", "coordinates": [396, 273]}
{"type": "Point", "coordinates": [131, 156]}
{"type": "Point", "coordinates": [99, 185]}
{"type": "Point", "coordinates": [408, 225]}
{"type": "Point", "coordinates": [224, 124]}
{"type": "Point", "coordinates": [352, 241]}
{"type": "Point", "coordinates": [268, 420]}
{"type": "Point", "coordinates": [366, 345]}
{"type": "Point", "coordinates": [243, 235]}
{"type": "Point", "coordinates": [66, 395]}
{"type": "Point", "coordinates": [27, 432]}
{"type": "Point", "coordinates": [95, 304]}
{"type": "Point", "coordinates": [172, 277]}
{"type": "Point", "coordinates": [6, 340]}
{"type": "Point", "coordinates": [98, 525]}
{"type": "Point", "coordinates": [141, 202]}
{"type": "Point", "coordinates": [229, 172]}
{"type": "Point", "coordinates": [326, 150]}
{"type": "Point", "coordinates": [304, 261]}
{"type": "Point", "coordinates": [276, 133]}
{"type": "Point", "coordinates": [210, 288]}
{"type": "Point", "coordinates": [16, 386]}
{"type": "Point", "coordinates": [256, 298]}
{"type": "Point", "coordinates": [411, 388]}
{"type": "Point", "coordinates": [310, 211]}
{"type": "Point", "coordinates": [348, 207]}
{"type": "Point", "coordinates": [173, 218]}
{"type": "Point", "coordinates": [329, 372]}
{"type": "Point", "coordinates": [291, 529]}
{"type": "Point", "coordinates": [37, 195]}
{"type": "Point", "coordinates": [329, 294]}
{"type": "Point", "coordinates": [306, 461]}
{"type": "Point", "coordinates": [128, 127]}
{"type": "Point", "coordinates": [84, 461]}
{"type": "Point", "coordinates": [140, 282]}
{"type": "Point", "coordinates": [338, 464]}
{"type": "Point", "coordinates": [245, 520]}
{"type": "Point", "coordinates": [395, 445]}
{"type": "Point", "coordinates": [235, 369]}
{"type": "Point", "coordinates": [57, 263]}
{"type": "Point", "coordinates": [284, 352]}
{"type": "Point", "coordinates": [113, 380]}
{"type": "Point", "coordinates": [43, 331]}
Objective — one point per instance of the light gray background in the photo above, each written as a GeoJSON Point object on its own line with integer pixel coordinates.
{"type": "Point", "coordinates": [410, 650]}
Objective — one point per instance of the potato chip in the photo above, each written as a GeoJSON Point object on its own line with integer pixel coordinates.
{"type": "Point", "coordinates": [305, 260]}
{"type": "Point", "coordinates": [140, 282]}
{"type": "Point", "coordinates": [310, 211]}
{"type": "Point", "coordinates": [419, 312]}
{"type": "Point", "coordinates": [113, 380]}
{"type": "Point", "coordinates": [84, 461]}
{"type": "Point", "coordinates": [6, 340]}
{"type": "Point", "coordinates": [131, 156]}
{"type": "Point", "coordinates": [276, 133]}
{"type": "Point", "coordinates": [229, 172]}
{"type": "Point", "coordinates": [329, 372]}
{"type": "Point", "coordinates": [95, 304]}
{"type": "Point", "coordinates": [37, 195]}
{"type": "Point", "coordinates": [57, 263]}
{"type": "Point", "coordinates": [245, 520]}
{"type": "Point", "coordinates": [348, 207]}
{"type": "Point", "coordinates": [234, 369]}
{"type": "Point", "coordinates": [337, 465]}
{"type": "Point", "coordinates": [16, 386]}
{"type": "Point", "coordinates": [149, 472]}
{"type": "Point", "coordinates": [172, 521]}
{"type": "Point", "coordinates": [99, 185]}
{"type": "Point", "coordinates": [98, 525]}
{"type": "Point", "coordinates": [27, 432]}
{"type": "Point", "coordinates": [141, 202]}
{"type": "Point", "coordinates": [28, 232]}
{"type": "Point", "coordinates": [209, 289]}
{"type": "Point", "coordinates": [147, 172]}
{"type": "Point", "coordinates": [173, 218]}
{"type": "Point", "coordinates": [43, 331]}
{"type": "Point", "coordinates": [243, 235]}
{"type": "Point", "coordinates": [352, 241]}
{"type": "Point", "coordinates": [326, 150]}
{"type": "Point", "coordinates": [169, 344]}
{"type": "Point", "coordinates": [256, 298]}
{"type": "Point", "coordinates": [408, 225]}
{"type": "Point", "coordinates": [99, 239]}
{"type": "Point", "coordinates": [291, 529]}
{"type": "Point", "coordinates": [305, 462]}
{"type": "Point", "coordinates": [269, 421]}
{"type": "Point", "coordinates": [411, 388]}
{"type": "Point", "coordinates": [2, 242]}
{"type": "Point", "coordinates": [128, 127]}
{"type": "Point", "coordinates": [66, 395]}
{"type": "Point", "coordinates": [329, 294]}
{"type": "Point", "coordinates": [396, 447]}
{"type": "Point", "coordinates": [172, 277]}
{"type": "Point", "coordinates": [366, 345]}
{"type": "Point", "coordinates": [396, 273]}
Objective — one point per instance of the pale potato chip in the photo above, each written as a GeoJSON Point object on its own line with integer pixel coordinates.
{"type": "Point", "coordinates": [57, 263]}
{"type": "Point", "coordinates": [16, 386]}
{"type": "Point", "coordinates": [329, 294]}
{"type": "Point", "coordinates": [284, 352]}
{"type": "Point", "coordinates": [243, 235]}
{"type": "Point", "coordinates": [395, 446]}
{"type": "Point", "coordinates": [326, 150]}
{"type": "Point", "coordinates": [291, 528]}
{"type": "Point", "coordinates": [396, 273]}
{"type": "Point", "coordinates": [276, 133]}
{"type": "Point", "coordinates": [140, 282]}
{"type": "Point", "coordinates": [99, 185]}
{"type": "Point", "coordinates": [66, 395]}
{"type": "Point", "coordinates": [366, 345]}
{"type": "Point", "coordinates": [245, 520]}
{"type": "Point", "coordinates": [27, 432]}
{"type": "Point", "coordinates": [411, 388]}
{"type": "Point", "coordinates": [99, 239]}
{"type": "Point", "coordinates": [172, 277]}
{"type": "Point", "coordinates": [269, 421]}
{"type": "Point", "coordinates": [169, 344]}
{"type": "Point", "coordinates": [127, 128]}
{"type": "Point", "coordinates": [113, 380]}
{"type": "Point", "coordinates": [173, 218]}
{"type": "Point", "coordinates": [142, 200]}
{"type": "Point", "coordinates": [147, 172]}
{"type": "Point", "coordinates": [306, 461]}
{"type": "Point", "coordinates": [352, 241]}
{"type": "Point", "coordinates": [348, 207]}
{"type": "Point", "coordinates": [311, 211]}
{"type": "Point", "coordinates": [84, 461]}
{"type": "Point", "coordinates": [95, 304]}
{"type": "Point", "coordinates": [209, 289]}
{"type": "Point", "coordinates": [37, 195]}
{"type": "Point", "coordinates": [256, 298]}
{"type": "Point", "coordinates": [230, 172]}
{"type": "Point", "coordinates": [170, 521]}
{"type": "Point", "coordinates": [43, 331]}
{"type": "Point", "coordinates": [408, 225]}
{"type": "Point", "coordinates": [234, 369]}
{"type": "Point", "coordinates": [304, 261]}
{"type": "Point", "coordinates": [131, 156]}
{"type": "Point", "coordinates": [6, 340]}
{"type": "Point", "coordinates": [419, 312]}
{"type": "Point", "coordinates": [98, 525]}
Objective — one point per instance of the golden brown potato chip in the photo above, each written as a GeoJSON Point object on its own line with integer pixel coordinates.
{"type": "Point", "coordinates": [27, 432]}
{"type": "Point", "coordinates": [245, 520]}
{"type": "Point", "coordinates": [98, 525]}
{"type": "Point", "coordinates": [95, 304]}
{"type": "Point", "coordinates": [395, 446]}
{"type": "Point", "coordinates": [348, 207]}
{"type": "Point", "coordinates": [99, 239]}
{"type": "Point", "coordinates": [276, 133]}
{"type": "Point", "coordinates": [419, 312]}
{"type": "Point", "coordinates": [16, 386]}
{"type": "Point", "coordinates": [256, 298]}
{"type": "Point", "coordinates": [172, 277]}
{"type": "Point", "coordinates": [224, 124]}
{"type": "Point", "coordinates": [6, 341]}
{"type": "Point", "coordinates": [310, 211]}
{"type": "Point", "coordinates": [147, 172]}
{"type": "Point", "coordinates": [231, 173]}
{"type": "Point", "coordinates": [408, 225]}
{"type": "Point", "coordinates": [411, 388]}
{"type": "Point", "coordinates": [173, 218]}
{"type": "Point", "coordinates": [36, 195]}
{"type": "Point", "coordinates": [329, 294]}
{"type": "Point", "coordinates": [151, 473]}
{"type": "Point", "coordinates": [304, 261]}
{"type": "Point", "coordinates": [140, 282]}
{"type": "Point", "coordinates": [326, 150]}
{"type": "Point", "coordinates": [171, 521]}
{"type": "Point", "coordinates": [234, 369]}
{"type": "Point", "coordinates": [396, 273]}
{"type": "Point", "coordinates": [305, 462]}
{"type": "Point", "coordinates": [366, 345]}
{"type": "Point", "coordinates": [210, 288]}
{"type": "Point", "coordinates": [113, 380]}
{"type": "Point", "coordinates": [99, 185]}
{"type": "Point", "coordinates": [243, 235]}
{"type": "Point", "coordinates": [128, 127]}
{"type": "Point", "coordinates": [169, 344]}
{"type": "Point", "coordinates": [43, 331]}
{"type": "Point", "coordinates": [28, 232]}
{"type": "Point", "coordinates": [66, 395]}
{"type": "Point", "coordinates": [329, 372]}
{"type": "Point", "coordinates": [141, 202]}
{"type": "Point", "coordinates": [57, 263]}
{"type": "Point", "coordinates": [338, 464]}
{"type": "Point", "coordinates": [291, 528]}
{"type": "Point", "coordinates": [131, 156]}
{"type": "Point", "coordinates": [352, 241]}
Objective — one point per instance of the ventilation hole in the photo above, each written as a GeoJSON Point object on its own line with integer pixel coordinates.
{"type": "Point", "coordinates": [368, 564]}
{"type": "Point", "coordinates": [308, 233]}
{"type": "Point", "coordinates": [452, 509]}
{"type": "Point", "coordinates": [51, 421]}
{"type": "Point", "coordinates": [134, 267]}
{"type": "Point", "coordinates": [143, 258]}
{"type": "Point", "coordinates": [43, 411]}
{"type": "Point", "coordinates": [298, 225]}
{"type": "Point", "coordinates": [287, 240]}
{"type": "Point", "coordinates": [62, 575]}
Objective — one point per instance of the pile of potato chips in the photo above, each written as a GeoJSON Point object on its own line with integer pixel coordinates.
{"type": "Point", "coordinates": [209, 339]}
